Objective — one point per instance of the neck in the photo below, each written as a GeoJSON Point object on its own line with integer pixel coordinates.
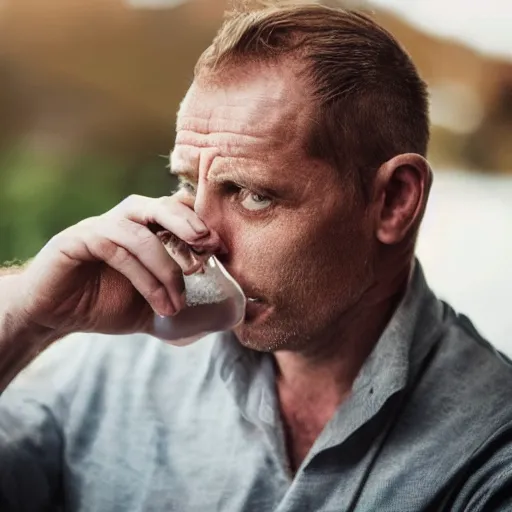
{"type": "Point", "coordinates": [326, 372]}
{"type": "Point", "coordinates": [311, 385]}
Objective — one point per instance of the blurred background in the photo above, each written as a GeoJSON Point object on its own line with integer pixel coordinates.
{"type": "Point", "coordinates": [88, 95]}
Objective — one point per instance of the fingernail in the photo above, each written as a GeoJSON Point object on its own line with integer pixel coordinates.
{"type": "Point", "coordinates": [163, 314]}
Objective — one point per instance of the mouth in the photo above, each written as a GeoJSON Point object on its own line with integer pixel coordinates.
{"type": "Point", "coordinates": [256, 310]}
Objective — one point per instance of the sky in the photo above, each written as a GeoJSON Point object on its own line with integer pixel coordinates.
{"type": "Point", "coordinates": [154, 4]}
{"type": "Point", "coordinates": [484, 24]}
{"type": "Point", "coordinates": [149, 4]}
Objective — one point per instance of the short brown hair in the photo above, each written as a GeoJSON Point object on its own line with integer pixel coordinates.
{"type": "Point", "coordinates": [371, 102]}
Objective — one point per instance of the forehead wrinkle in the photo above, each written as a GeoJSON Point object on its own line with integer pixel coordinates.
{"type": "Point", "coordinates": [229, 144]}
{"type": "Point", "coordinates": [256, 115]}
{"type": "Point", "coordinates": [260, 124]}
{"type": "Point", "coordinates": [254, 122]}
{"type": "Point", "coordinates": [242, 109]}
{"type": "Point", "coordinates": [204, 140]}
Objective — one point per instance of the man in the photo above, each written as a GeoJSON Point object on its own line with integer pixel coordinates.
{"type": "Point", "coordinates": [300, 151]}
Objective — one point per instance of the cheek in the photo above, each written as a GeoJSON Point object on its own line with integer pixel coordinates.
{"type": "Point", "coordinates": [263, 246]}
{"type": "Point", "coordinates": [265, 249]}
{"type": "Point", "coordinates": [281, 240]}
{"type": "Point", "coordinates": [294, 248]}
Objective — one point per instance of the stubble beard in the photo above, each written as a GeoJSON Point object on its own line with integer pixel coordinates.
{"type": "Point", "coordinates": [296, 332]}
{"type": "Point", "coordinates": [310, 323]}
{"type": "Point", "coordinates": [269, 337]}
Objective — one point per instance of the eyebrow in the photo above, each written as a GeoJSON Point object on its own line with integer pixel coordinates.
{"type": "Point", "coordinates": [230, 173]}
{"type": "Point", "coordinates": [242, 177]}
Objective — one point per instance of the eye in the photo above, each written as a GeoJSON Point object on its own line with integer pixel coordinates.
{"type": "Point", "coordinates": [251, 201]}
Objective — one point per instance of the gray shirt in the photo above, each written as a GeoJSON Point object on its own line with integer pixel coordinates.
{"type": "Point", "coordinates": [128, 423]}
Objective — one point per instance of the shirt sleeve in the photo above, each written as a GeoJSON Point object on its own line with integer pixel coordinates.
{"type": "Point", "coordinates": [31, 442]}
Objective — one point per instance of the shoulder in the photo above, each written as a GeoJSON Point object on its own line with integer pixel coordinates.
{"type": "Point", "coordinates": [454, 425]}
{"type": "Point", "coordinates": [460, 402]}
{"type": "Point", "coordinates": [468, 371]}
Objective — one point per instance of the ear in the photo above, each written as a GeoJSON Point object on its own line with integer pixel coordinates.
{"type": "Point", "coordinates": [401, 190]}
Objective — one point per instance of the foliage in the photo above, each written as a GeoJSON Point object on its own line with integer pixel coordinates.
{"type": "Point", "coordinates": [41, 195]}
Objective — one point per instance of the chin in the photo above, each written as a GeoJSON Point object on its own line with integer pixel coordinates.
{"type": "Point", "coordinates": [268, 337]}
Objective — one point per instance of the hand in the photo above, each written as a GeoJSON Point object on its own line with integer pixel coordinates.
{"type": "Point", "coordinates": [111, 273]}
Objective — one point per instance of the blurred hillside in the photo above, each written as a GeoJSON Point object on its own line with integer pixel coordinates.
{"type": "Point", "coordinates": [89, 91]}
{"type": "Point", "coordinates": [97, 75]}
{"type": "Point", "coordinates": [471, 99]}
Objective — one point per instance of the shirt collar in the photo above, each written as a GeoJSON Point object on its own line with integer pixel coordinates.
{"type": "Point", "coordinates": [394, 361]}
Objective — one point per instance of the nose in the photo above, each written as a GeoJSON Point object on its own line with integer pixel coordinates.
{"type": "Point", "coordinates": [208, 207]}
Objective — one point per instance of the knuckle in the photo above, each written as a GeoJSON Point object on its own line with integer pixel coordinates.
{"type": "Point", "coordinates": [137, 232]}
{"type": "Point", "coordinates": [185, 198]}
{"type": "Point", "coordinates": [132, 199]}
{"type": "Point", "coordinates": [166, 204]}
{"type": "Point", "coordinates": [119, 256]}
{"type": "Point", "coordinates": [87, 223]}
{"type": "Point", "coordinates": [149, 209]}
{"type": "Point", "coordinates": [164, 201]}
{"type": "Point", "coordinates": [129, 203]}
{"type": "Point", "coordinates": [68, 238]}
{"type": "Point", "coordinates": [58, 243]}
{"type": "Point", "coordinates": [109, 252]}
{"type": "Point", "coordinates": [73, 232]}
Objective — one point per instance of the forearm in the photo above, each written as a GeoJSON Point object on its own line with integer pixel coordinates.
{"type": "Point", "coordinates": [20, 341]}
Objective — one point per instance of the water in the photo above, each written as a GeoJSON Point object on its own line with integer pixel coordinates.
{"type": "Point", "coordinates": [204, 288]}
{"type": "Point", "coordinates": [465, 247]}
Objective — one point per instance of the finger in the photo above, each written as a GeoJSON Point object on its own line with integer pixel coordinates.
{"type": "Point", "coordinates": [189, 261]}
{"type": "Point", "coordinates": [150, 252]}
{"type": "Point", "coordinates": [191, 254]}
{"type": "Point", "coordinates": [180, 251]}
{"type": "Point", "coordinates": [169, 212]}
{"type": "Point", "coordinates": [121, 260]}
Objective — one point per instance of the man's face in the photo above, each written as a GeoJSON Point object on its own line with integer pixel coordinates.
{"type": "Point", "coordinates": [297, 239]}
